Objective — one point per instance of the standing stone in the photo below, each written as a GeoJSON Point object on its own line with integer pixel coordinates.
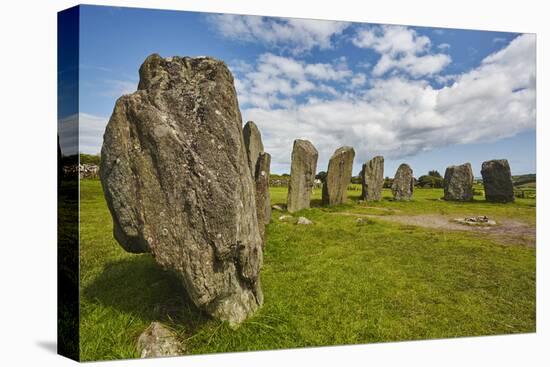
{"type": "Point", "coordinates": [497, 181]}
{"type": "Point", "coordinates": [372, 179]}
{"type": "Point", "coordinates": [253, 144]}
{"type": "Point", "coordinates": [403, 183]}
{"type": "Point", "coordinates": [338, 177]}
{"type": "Point", "coordinates": [458, 183]}
{"type": "Point", "coordinates": [263, 201]}
{"type": "Point", "coordinates": [176, 180]}
{"type": "Point", "coordinates": [302, 175]}
{"type": "Point", "coordinates": [260, 172]}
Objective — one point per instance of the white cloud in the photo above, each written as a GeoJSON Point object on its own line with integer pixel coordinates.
{"type": "Point", "coordinates": [293, 35]}
{"type": "Point", "coordinates": [401, 48]}
{"type": "Point", "coordinates": [443, 46]}
{"type": "Point", "coordinates": [276, 80]}
{"type": "Point", "coordinates": [398, 117]}
{"type": "Point", "coordinates": [67, 129]}
{"type": "Point", "coordinates": [83, 132]}
{"type": "Point", "coordinates": [116, 88]}
{"type": "Point", "coordinates": [358, 80]}
{"type": "Point", "coordinates": [91, 132]}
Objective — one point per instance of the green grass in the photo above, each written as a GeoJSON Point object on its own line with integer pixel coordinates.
{"type": "Point", "coordinates": [334, 282]}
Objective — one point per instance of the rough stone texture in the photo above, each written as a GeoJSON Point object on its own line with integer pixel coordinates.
{"type": "Point", "coordinates": [253, 144]}
{"type": "Point", "coordinates": [158, 341]}
{"type": "Point", "coordinates": [176, 180]}
{"type": "Point", "coordinates": [259, 163]}
{"type": "Point", "coordinates": [304, 221]}
{"type": "Point", "coordinates": [263, 200]}
{"type": "Point", "coordinates": [497, 181]}
{"type": "Point", "coordinates": [338, 176]}
{"type": "Point", "coordinates": [372, 179]}
{"type": "Point", "coordinates": [458, 183]}
{"type": "Point", "coordinates": [403, 183]}
{"type": "Point", "coordinates": [302, 175]}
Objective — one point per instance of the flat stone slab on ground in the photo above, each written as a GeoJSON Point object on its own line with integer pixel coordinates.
{"type": "Point", "coordinates": [476, 221]}
{"type": "Point", "coordinates": [304, 221]}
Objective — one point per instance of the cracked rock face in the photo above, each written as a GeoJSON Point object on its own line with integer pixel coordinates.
{"type": "Point", "coordinates": [497, 181]}
{"type": "Point", "coordinates": [302, 175]}
{"type": "Point", "coordinates": [259, 163]}
{"type": "Point", "coordinates": [338, 176]}
{"type": "Point", "coordinates": [263, 199]}
{"type": "Point", "coordinates": [176, 179]}
{"type": "Point", "coordinates": [253, 144]}
{"type": "Point", "coordinates": [403, 183]}
{"type": "Point", "coordinates": [372, 179]}
{"type": "Point", "coordinates": [458, 183]}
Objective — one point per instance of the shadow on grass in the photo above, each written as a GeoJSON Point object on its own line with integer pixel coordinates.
{"type": "Point", "coordinates": [139, 286]}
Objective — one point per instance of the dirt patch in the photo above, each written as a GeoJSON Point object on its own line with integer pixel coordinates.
{"type": "Point", "coordinates": [506, 232]}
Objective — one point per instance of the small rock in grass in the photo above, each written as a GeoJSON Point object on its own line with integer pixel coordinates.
{"type": "Point", "coordinates": [480, 220]}
{"type": "Point", "coordinates": [304, 220]}
{"type": "Point", "coordinates": [362, 221]}
{"type": "Point", "coordinates": [285, 218]}
{"type": "Point", "coordinates": [158, 341]}
{"type": "Point", "coordinates": [277, 207]}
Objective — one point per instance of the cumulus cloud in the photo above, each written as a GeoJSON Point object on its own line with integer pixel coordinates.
{"type": "Point", "coordinates": [276, 80]}
{"type": "Point", "coordinates": [81, 132]}
{"type": "Point", "coordinates": [400, 48]}
{"type": "Point", "coordinates": [399, 117]}
{"type": "Point", "coordinates": [293, 35]}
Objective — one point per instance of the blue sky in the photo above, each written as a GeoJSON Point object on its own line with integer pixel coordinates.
{"type": "Point", "coordinates": [429, 97]}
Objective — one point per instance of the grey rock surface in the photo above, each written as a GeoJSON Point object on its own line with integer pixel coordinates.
{"type": "Point", "coordinates": [458, 183]}
{"type": "Point", "coordinates": [338, 176]}
{"type": "Point", "coordinates": [176, 180]}
{"type": "Point", "coordinates": [158, 341]}
{"type": "Point", "coordinates": [497, 181]}
{"type": "Point", "coordinates": [302, 175]}
{"type": "Point", "coordinates": [304, 221]}
{"type": "Point", "coordinates": [253, 144]}
{"type": "Point", "coordinates": [372, 179]}
{"type": "Point", "coordinates": [403, 183]}
{"type": "Point", "coordinates": [263, 200]}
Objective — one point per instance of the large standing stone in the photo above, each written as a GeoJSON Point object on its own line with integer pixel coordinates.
{"type": "Point", "coordinates": [372, 179]}
{"type": "Point", "coordinates": [497, 181]}
{"type": "Point", "coordinates": [263, 200]}
{"type": "Point", "coordinates": [403, 183]}
{"type": "Point", "coordinates": [253, 144]}
{"type": "Point", "coordinates": [302, 175]}
{"type": "Point", "coordinates": [338, 177]}
{"type": "Point", "coordinates": [175, 176]}
{"type": "Point", "coordinates": [458, 183]}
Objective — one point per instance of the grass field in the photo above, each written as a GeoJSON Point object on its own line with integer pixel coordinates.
{"type": "Point", "coordinates": [334, 282]}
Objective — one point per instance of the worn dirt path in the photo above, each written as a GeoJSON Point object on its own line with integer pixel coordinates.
{"type": "Point", "coordinates": [507, 232]}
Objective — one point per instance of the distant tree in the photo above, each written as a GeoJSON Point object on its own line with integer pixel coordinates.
{"type": "Point", "coordinates": [430, 181]}
{"type": "Point", "coordinates": [434, 173]}
{"type": "Point", "coordinates": [90, 159]}
{"type": "Point", "coordinates": [388, 182]}
{"type": "Point", "coordinates": [356, 179]}
{"type": "Point", "coordinates": [321, 176]}
{"type": "Point", "coordinates": [285, 175]}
